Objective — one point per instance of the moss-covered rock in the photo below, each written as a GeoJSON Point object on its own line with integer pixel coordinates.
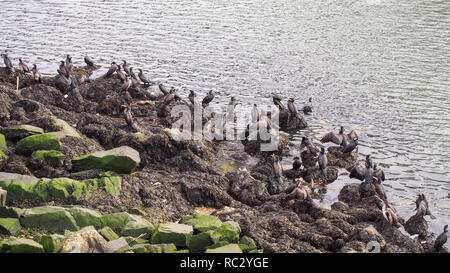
{"type": "Point", "coordinates": [112, 184]}
{"type": "Point", "coordinates": [48, 218]}
{"type": "Point", "coordinates": [64, 127]}
{"type": "Point", "coordinates": [247, 244]}
{"type": "Point", "coordinates": [154, 248]}
{"type": "Point", "coordinates": [22, 245]}
{"type": "Point", "coordinates": [116, 220]}
{"type": "Point", "coordinates": [86, 217]}
{"type": "Point", "coordinates": [120, 160]}
{"type": "Point", "coordinates": [28, 145]}
{"type": "Point", "coordinates": [231, 248]}
{"type": "Point", "coordinates": [108, 234]}
{"type": "Point", "coordinates": [203, 223]}
{"type": "Point", "coordinates": [136, 226]}
{"type": "Point", "coordinates": [3, 159]}
{"type": "Point", "coordinates": [177, 234]}
{"type": "Point", "coordinates": [52, 243]}
{"type": "Point", "coordinates": [228, 232]}
{"type": "Point", "coordinates": [9, 226]}
{"type": "Point", "coordinates": [51, 157]}
{"type": "Point", "coordinates": [18, 186]}
{"type": "Point", "coordinates": [3, 145]}
{"type": "Point", "coordinates": [200, 242]}
{"type": "Point", "coordinates": [10, 212]}
{"type": "Point", "coordinates": [22, 131]}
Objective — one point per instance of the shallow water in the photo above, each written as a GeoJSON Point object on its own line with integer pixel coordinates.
{"type": "Point", "coordinates": [378, 66]}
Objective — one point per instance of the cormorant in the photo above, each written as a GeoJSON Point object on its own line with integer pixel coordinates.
{"type": "Point", "coordinates": [69, 65]}
{"type": "Point", "coordinates": [88, 60]}
{"type": "Point", "coordinates": [338, 138]}
{"type": "Point", "coordinates": [296, 164]}
{"type": "Point", "coordinates": [23, 67]}
{"type": "Point", "coordinates": [192, 97]}
{"type": "Point", "coordinates": [277, 169]}
{"type": "Point", "coordinates": [62, 70]}
{"type": "Point", "coordinates": [389, 213]}
{"type": "Point", "coordinates": [111, 70]}
{"type": "Point", "coordinates": [126, 84]}
{"type": "Point", "coordinates": [350, 147]}
{"type": "Point", "coordinates": [143, 78]}
{"type": "Point", "coordinates": [208, 98]}
{"type": "Point", "coordinates": [163, 89]}
{"type": "Point", "coordinates": [310, 147]}
{"type": "Point", "coordinates": [129, 117]}
{"type": "Point", "coordinates": [379, 188]}
{"type": "Point", "coordinates": [133, 75]}
{"type": "Point", "coordinates": [441, 239]}
{"type": "Point", "coordinates": [125, 67]}
{"type": "Point", "coordinates": [323, 161]}
{"type": "Point", "coordinates": [422, 206]}
{"type": "Point", "coordinates": [307, 107]}
{"type": "Point", "coordinates": [8, 62]}
{"type": "Point", "coordinates": [36, 73]}
{"type": "Point", "coordinates": [278, 101]}
{"type": "Point", "coordinates": [122, 76]}
{"type": "Point", "coordinates": [292, 108]}
{"type": "Point", "coordinates": [378, 173]}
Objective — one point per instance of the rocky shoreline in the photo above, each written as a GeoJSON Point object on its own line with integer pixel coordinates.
{"type": "Point", "coordinates": [80, 179]}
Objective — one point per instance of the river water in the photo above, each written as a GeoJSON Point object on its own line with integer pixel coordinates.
{"type": "Point", "coordinates": [380, 67]}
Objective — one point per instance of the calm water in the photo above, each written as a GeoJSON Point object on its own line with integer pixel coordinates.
{"type": "Point", "coordinates": [378, 66]}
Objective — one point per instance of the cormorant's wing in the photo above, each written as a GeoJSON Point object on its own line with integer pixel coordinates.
{"type": "Point", "coordinates": [352, 135]}
{"type": "Point", "coordinates": [380, 174]}
{"type": "Point", "coordinates": [333, 137]}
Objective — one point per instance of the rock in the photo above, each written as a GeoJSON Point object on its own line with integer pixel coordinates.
{"type": "Point", "coordinates": [87, 240]}
{"type": "Point", "coordinates": [350, 194]}
{"type": "Point", "coordinates": [28, 145]}
{"type": "Point", "coordinates": [3, 159]}
{"type": "Point", "coordinates": [177, 234]}
{"type": "Point", "coordinates": [200, 242]}
{"type": "Point", "coordinates": [108, 234]}
{"type": "Point", "coordinates": [316, 174]}
{"type": "Point", "coordinates": [202, 223]}
{"type": "Point", "coordinates": [154, 248]}
{"type": "Point", "coordinates": [64, 127]}
{"type": "Point", "coordinates": [308, 159]}
{"type": "Point", "coordinates": [18, 186]}
{"type": "Point", "coordinates": [22, 245]}
{"type": "Point", "coordinates": [9, 226]}
{"type": "Point", "coordinates": [228, 232]}
{"type": "Point", "coordinates": [246, 189]}
{"type": "Point", "coordinates": [3, 145]}
{"type": "Point", "coordinates": [52, 157]}
{"type": "Point", "coordinates": [121, 160]}
{"type": "Point", "coordinates": [417, 225]}
{"type": "Point", "coordinates": [116, 220]}
{"type": "Point", "coordinates": [48, 218]}
{"type": "Point", "coordinates": [136, 226]}
{"type": "Point", "coordinates": [231, 248]}
{"type": "Point", "coordinates": [22, 131]}
{"type": "Point", "coordinates": [52, 243]}
{"type": "Point", "coordinates": [86, 217]}
{"type": "Point", "coordinates": [119, 246]}
{"type": "Point", "coordinates": [339, 206]}
{"type": "Point", "coordinates": [337, 158]}
{"type": "Point", "coordinates": [10, 212]}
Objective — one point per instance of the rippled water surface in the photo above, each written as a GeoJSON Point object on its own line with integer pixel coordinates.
{"type": "Point", "coordinates": [378, 66]}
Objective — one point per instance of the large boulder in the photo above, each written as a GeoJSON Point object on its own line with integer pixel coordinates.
{"type": "Point", "coordinates": [18, 186]}
{"type": "Point", "coordinates": [52, 157]}
{"type": "Point", "coordinates": [136, 226]}
{"type": "Point", "coordinates": [108, 234]}
{"type": "Point", "coordinates": [21, 131]}
{"type": "Point", "coordinates": [121, 160]}
{"type": "Point", "coordinates": [86, 217]}
{"type": "Point", "coordinates": [246, 189]}
{"type": "Point", "coordinates": [52, 243]}
{"type": "Point", "coordinates": [200, 242]}
{"type": "Point", "coordinates": [49, 218]}
{"type": "Point", "coordinates": [202, 222]}
{"type": "Point", "coordinates": [28, 145]}
{"type": "Point", "coordinates": [22, 245]}
{"type": "Point", "coordinates": [154, 248]}
{"type": "Point", "coordinates": [87, 240]}
{"type": "Point", "coordinates": [177, 234]}
{"type": "Point", "coordinates": [9, 226]}
{"type": "Point", "coordinates": [228, 232]}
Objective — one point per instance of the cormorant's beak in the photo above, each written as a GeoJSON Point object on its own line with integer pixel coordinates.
{"type": "Point", "coordinates": [281, 102]}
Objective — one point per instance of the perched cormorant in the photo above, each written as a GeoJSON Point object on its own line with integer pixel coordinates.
{"type": "Point", "coordinates": [441, 239]}
{"type": "Point", "coordinates": [69, 65]}
{"type": "Point", "coordinates": [192, 97]}
{"type": "Point", "coordinates": [36, 73]}
{"type": "Point", "coordinates": [277, 169]}
{"type": "Point", "coordinates": [170, 97]}
{"type": "Point", "coordinates": [208, 98]}
{"type": "Point", "coordinates": [350, 147]}
{"type": "Point", "coordinates": [143, 77]}
{"type": "Point", "coordinates": [111, 70]}
{"type": "Point", "coordinates": [310, 147]}
{"type": "Point", "coordinates": [8, 62]}
{"type": "Point", "coordinates": [323, 161]}
{"type": "Point", "coordinates": [126, 85]}
{"type": "Point", "coordinates": [129, 117]}
{"type": "Point", "coordinates": [338, 138]}
{"type": "Point", "coordinates": [278, 101]}
{"type": "Point", "coordinates": [23, 67]}
{"type": "Point", "coordinates": [120, 74]}
{"type": "Point", "coordinates": [307, 107]}
{"type": "Point", "coordinates": [296, 164]}
{"type": "Point", "coordinates": [379, 188]}
{"type": "Point", "coordinates": [292, 108]}
{"type": "Point", "coordinates": [301, 192]}
{"type": "Point", "coordinates": [389, 213]}
{"type": "Point", "coordinates": [62, 70]}
{"type": "Point", "coordinates": [163, 89]}
{"type": "Point", "coordinates": [378, 173]}
{"type": "Point", "coordinates": [88, 60]}
{"type": "Point", "coordinates": [125, 67]}
{"type": "Point", "coordinates": [133, 75]}
{"type": "Point", "coordinates": [422, 206]}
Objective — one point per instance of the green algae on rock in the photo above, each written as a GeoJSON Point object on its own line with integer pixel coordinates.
{"type": "Point", "coordinates": [231, 248]}
{"type": "Point", "coordinates": [22, 131]}
{"type": "Point", "coordinates": [49, 218]}
{"type": "Point", "coordinates": [52, 243]}
{"type": "Point", "coordinates": [86, 217]}
{"type": "Point", "coordinates": [3, 145]}
{"type": "Point", "coordinates": [120, 160]}
{"type": "Point", "coordinates": [9, 226]}
{"type": "Point", "coordinates": [28, 145]}
{"type": "Point", "coordinates": [22, 245]}
{"type": "Point", "coordinates": [177, 234]}
{"type": "Point", "coordinates": [202, 223]}
{"type": "Point", "coordinates": [108, 234]}
{"type": "Point", "coordinates": [51, 157]}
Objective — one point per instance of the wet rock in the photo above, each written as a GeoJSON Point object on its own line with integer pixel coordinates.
{"type": "Point", "coordinates": [16, 133]}
{"type": "Point", "coordinates": [316, 174]}
{"type": "Point", "coordinates": [246, 189]}
{"type": "Point", "coordinates": [340, 206]}
{"type": "Point", "coordinates": [350, 194]}
{"type": "Point", "coordinates": [121, 160]}
{"type": "Point", "coordinates": [52, 157]}
{"type": "Point", "coordinates": [202, 223]}
{"type": "Point", "coordinates": [231, 248]}
{"type": "Point", "coordinates": [108, 234]}
{"type": "Point", "coordinates": [86, 217]}
{"type": "Point", "coordinates": [288, 123]}
{"type": "Point", "coordinates": [52, 243]}
{"type": "Point", "coordinates": [5, 108]}
{"type": "Point", "coordinates": [28, 145]}
{"type": "Point", "coordinates": [137, 226]}
{"type": "Point", "coordinates": [154, 248]}
{"type": "Point", "coordinates": [337, 158]}
{"type": "Point", "coordinates": [309, 159]}
{"type": "Point", "coordinates": [87, 240]}
{"type": "Point", "coordinates": [200, 242]}
{"type": "Point", "coordinates": [49, 218]}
